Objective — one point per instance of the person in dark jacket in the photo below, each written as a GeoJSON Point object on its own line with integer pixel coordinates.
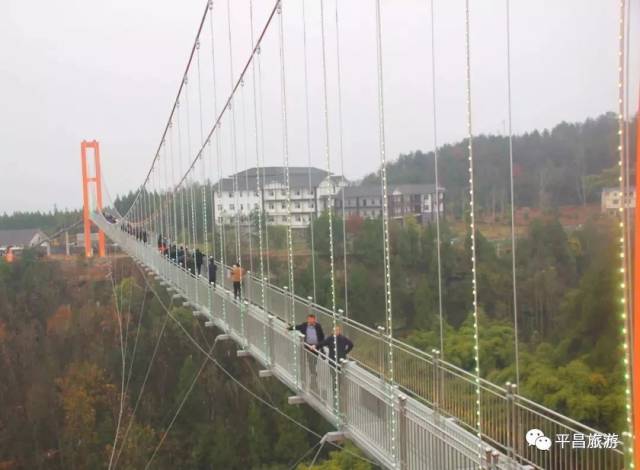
{"type": "Point", "coordinates": [344, 344]}
{"type": "Point", "coordinates": [312, 331]}
{"type": "Point", "coordinates": [344, 347]}
{"type": "Point", "coordinates": [199, 256]}
{"type": "Point", "coordinates": [191, 261]}
{"type": "Point", "coordinates": [213, 268]}
{"type": "Point", "coordinates": [313, 335]}
{"type": "Point", "coordinates": [181, 256]}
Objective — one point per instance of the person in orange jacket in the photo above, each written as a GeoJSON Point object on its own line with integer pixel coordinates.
{"type": "Point", "coordinates": [236, 276]}
{"type": "Point", "coordinates": [9, 256]}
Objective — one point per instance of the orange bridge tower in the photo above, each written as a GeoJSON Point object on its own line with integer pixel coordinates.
{"type": "Point", "coordinates": [97, 203]}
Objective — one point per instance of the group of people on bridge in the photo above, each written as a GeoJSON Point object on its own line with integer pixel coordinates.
{"type": "Point", "coordinates": [338, 345]}
{"type": "Point", "coordinates": [191, 260]}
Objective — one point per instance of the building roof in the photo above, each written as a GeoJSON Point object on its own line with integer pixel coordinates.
{"type": "Point", "coordinates": [375, 190]}
{"type": "Point", "coordinates": [21, 237]}
{"type": "Point", "coordinates": [298, 177]}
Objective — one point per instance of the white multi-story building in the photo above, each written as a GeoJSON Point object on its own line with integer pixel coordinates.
{"type": "Point", "coordinates": [312, 192]}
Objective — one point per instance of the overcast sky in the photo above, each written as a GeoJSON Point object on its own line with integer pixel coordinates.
{"type": "Point", "coordinates": [89, 69]}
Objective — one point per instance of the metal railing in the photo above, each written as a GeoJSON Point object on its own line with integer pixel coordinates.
{"type": "Point", "coordinates": [425, 386]}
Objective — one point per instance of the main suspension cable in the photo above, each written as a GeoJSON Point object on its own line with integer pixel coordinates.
{"type": "Point", "coordinates": [175, 105]}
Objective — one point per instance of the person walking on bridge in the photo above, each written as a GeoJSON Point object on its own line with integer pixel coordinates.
{"type": "Point", "coordinates": [199, 258]}
{"type": "Point", "coordinates": [213, 268]}
{"type": "Point", "coordinates": [236, 276]}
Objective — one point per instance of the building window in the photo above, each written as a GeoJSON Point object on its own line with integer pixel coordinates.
{"type": "Point", "coordinates": [297, 192]}
{"type": "Point", "coordinates": [231, 207]}
{"type": "Point", "coordinates": [364, 202]}
{"type": "Point", "coordinates": [219, 207]}
{"type": "Point", "coordinates": [297, 205]}
{"type": "Point", "coordinates": [230, 194]}
{"type": "Point", "coordinates": [283, 192]}
{"type": "Point", "coordinates": [298, 218]}
{"type": "Point", "coordinates": [271, 193]}
{"type": "Point", "coordinates": [312, 205]}
{"type": "Point", "coordinates": [284, 206]}
{"type": "Point", "coordinates": [271, 206]}
{"type": "Point", "coordinates": [256, 206]}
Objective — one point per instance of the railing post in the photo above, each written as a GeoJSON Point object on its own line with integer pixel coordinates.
{"type": "Point", "coordinates": [517, 425]}
{"type": "Point", "coordinates": [286, 305]}
{"type": "Point", "coordinates": [244, 307]}
{"type": "Point", "coordinates": [249, 287]}
{"type": "Point", "coordinates": [437, 383]}
{"type": "Point", "coordinates": [301, 376]}
{"type": "Point", "coordinates": [210, 295]}
{"type": "Point", "coordinates": [488, 459]}
{"type": "Point", "coordinates": [402, 443]}
{"type": "Point", "coordinates": [270, 341]}
{"type": "Point", "coordinates": [265, 307]}
{"type": "Point", "coordinates": [291, 321]}
{"type": "Point", "coordinates": [495, 460]}
{"type": "Point", "coordinates": [511, 423]}
{"type": "Point", "coordinates": [382, 353]}
{"type": "Point", "coordinates": [340, 402]}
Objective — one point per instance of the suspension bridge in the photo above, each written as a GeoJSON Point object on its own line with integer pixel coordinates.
{"type": "Point", "coordinates": [404, 407]}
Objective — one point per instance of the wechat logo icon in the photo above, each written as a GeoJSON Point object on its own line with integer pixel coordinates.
{"type": "Point", "coordinates": [536, 438]}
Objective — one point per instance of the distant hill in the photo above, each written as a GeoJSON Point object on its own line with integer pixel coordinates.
{"type": "Point", "coordinates": [567, 165]}
{"type": "Point", "coordinates": [48, 222]}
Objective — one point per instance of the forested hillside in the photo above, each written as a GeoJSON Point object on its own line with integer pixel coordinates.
{"type": "Point", "coordinates": [568, 164]}
{"type": "Point", "coordinates": [60, 391]}
{"type": "Point", "coordinates": [49, 222]}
